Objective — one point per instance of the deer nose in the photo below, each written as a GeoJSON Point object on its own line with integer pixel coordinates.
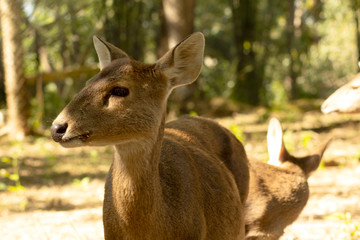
{"type": "Point", "coordinates": [58, 131]}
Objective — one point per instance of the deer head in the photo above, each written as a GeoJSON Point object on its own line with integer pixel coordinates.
{"type": "Point", "coordinates": [126, 100]}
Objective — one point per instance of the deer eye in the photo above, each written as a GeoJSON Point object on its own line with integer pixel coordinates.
{"type": "Point", "coordinates": [120, 91]}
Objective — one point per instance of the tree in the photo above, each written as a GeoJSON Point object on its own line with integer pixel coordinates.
{"type": "Point", "coordinates": [355, 5]}
{"type": "Point", "coordinates": [248, 82]}
{"type": "Point", "coordinates": [124, 25]}
{"type": "Point", "coordinates": [290, 30]}
{"type": "Point", "coordinates": [300, 35]}
{"type": "Point", "coordinates": [17, 97]}
{"type": "Point", "coordinates": [177, 23]}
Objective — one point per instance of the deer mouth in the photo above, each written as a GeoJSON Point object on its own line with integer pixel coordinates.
{"type": "Point", "coordinates": [75, 141]}
{"type": "Point", "coordinates": [82, 137]}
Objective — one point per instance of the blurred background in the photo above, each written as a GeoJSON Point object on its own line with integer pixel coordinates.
{"type": "Point", "coordinates": [258, 53]}
{"type": "Point", "coordinates": [262, 58]}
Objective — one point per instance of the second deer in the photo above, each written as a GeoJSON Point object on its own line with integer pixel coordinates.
{"type": "Point", "coordinates": [346, 99]}
{"type": "Point", "coordinates": [278, 189]}
{"type": "Point", "coordinates": [187, 179]}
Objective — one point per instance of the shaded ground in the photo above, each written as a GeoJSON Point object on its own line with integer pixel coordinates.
{"type": "Point", "coordinates": [64, 187]}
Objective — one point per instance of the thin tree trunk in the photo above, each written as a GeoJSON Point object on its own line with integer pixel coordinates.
{"type": "Point", "coordinates": [162, 40]}
{"type": "Point", "coordinates": [268, 20]}
{"type": "Point", "coordinates": [17, 97]}
{"type": "Point", "coordinates": [178, 23]}
{"type": "Point", "coordinates": [356, 10]}
{"type": "Point", "coordinates": [248, 83]}
{"type": "Point", "coordinates": [62, 37]}
{"type": "Point", "coordinates": [290, 31]}
{"type": "Point", "coordinates": [178, 19]}
{"type": "Point", "coordinates": [75, 38]}
{"type": "Point", "coordinates": [124, 25]}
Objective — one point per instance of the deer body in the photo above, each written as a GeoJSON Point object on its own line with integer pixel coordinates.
{"type": "Point", "coordinates": [184, 194]}
{"type": "Point", "coordinates": [187, 179]}
{"type": "Point", "coordinates": [278, 191]}
{"type": "Point", "coordinates": [276, 198]}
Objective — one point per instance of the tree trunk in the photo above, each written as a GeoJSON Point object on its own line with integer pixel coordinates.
{"type": "Point", "coordinates": [268, 20]}
{"type": "Point", "coordinates": [162, 41]}
{"type": "Point", "coordinates": [177, 23]}
{"type": "Point", "coordinates": [17, 96]}
{"type": "Point", "coordinates": [355, 6]}
{"type": "Point", "coordinates": [290, 31]}
{"type": "Point", "coordinates": [248, 81]}
{"type": "Point", "coordinates": [124, 26]}
{"type": "Point", "coordinates": [75, 38]}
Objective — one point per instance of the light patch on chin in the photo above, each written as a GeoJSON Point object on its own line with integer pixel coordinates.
{"type": "Point", "coordinates": [72, 143]}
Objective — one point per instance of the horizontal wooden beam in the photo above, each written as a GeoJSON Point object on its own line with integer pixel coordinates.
{"type": "Point", "coordinates": [61, 75]}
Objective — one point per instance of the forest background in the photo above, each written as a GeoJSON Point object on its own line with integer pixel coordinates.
{"type": "Point", "coordinates": [263, 53]}
{"type": "Point", "coordinates": [262, 59]}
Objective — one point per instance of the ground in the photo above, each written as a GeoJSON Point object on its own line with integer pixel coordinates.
{"type": "Point", "coordinates": [64, 188]}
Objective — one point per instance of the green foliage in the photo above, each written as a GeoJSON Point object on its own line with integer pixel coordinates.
{"type": "Point", "coordinates": [10, 171]}
{"type": "Point", "coordinates": [82, 182]}
{"type": "Point", "coordinates": [276, 94]}
{"type": "Point", "coordinates": [53, 103]}
{"type": "Point", "coordinates": [94, 154]}
{"type": "Point", "coordinates": [305, 139]}
{"type": "Point", "coordinates": [213, 18]}
{"type": "Point", "coordinates": [289, 141]}
{"type": "Point", "coordinates": [217, 77]}
{"type": "Point", "coordinates": [352, 228]}
{"type": "Point", "coordinates": [357, 156]}
{"type": "Point", "coordinates": [324, 52]}
{"type": "Point", "coordinates": [322, 165]}
{"type": "Point", "coordinates": [333, 59]}
{"type": "Point", "coordinates": [237, 131]}
{"type": "Point", "coordinates": [316, 53]}
{"type": "Point", "coordinates": [193, 113]}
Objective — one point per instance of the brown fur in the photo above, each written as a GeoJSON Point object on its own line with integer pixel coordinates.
{"type": "Point", "coordinates": [186, 180]}
{"type": "Point", "coordinates": [346, 99]}
{"type": "Point", "coordinates": [277, 194]}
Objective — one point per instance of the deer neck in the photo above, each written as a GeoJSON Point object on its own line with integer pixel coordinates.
{"type": "Point", "coordinates": [135, 177]}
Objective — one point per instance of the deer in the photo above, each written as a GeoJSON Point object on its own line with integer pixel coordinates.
{"type": "Point", "coordinates": [346, 99]}
{"type": "Point", "coordinates": [185, 179]}
{"type": "Point", "coordinates": [278, 188]}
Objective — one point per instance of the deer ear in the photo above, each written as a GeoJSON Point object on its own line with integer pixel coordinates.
{"type": "Point", "coordinates": [107, 52]}
{"type": "Point", "coordinates": [324, 146]}
{"type": "Point", "coordinates": [182, 64]}
{"type": "Point", "coordinates": [313, 162]}
{"type": "Point", "coordinates": [276, 147]}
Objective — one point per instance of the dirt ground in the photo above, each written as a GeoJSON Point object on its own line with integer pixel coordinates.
{"type": "Point", "coordinates": [64, 187]}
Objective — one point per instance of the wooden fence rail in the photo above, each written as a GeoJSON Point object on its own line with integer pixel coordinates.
{"type": "Point", "coordinates": [60, 75]}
